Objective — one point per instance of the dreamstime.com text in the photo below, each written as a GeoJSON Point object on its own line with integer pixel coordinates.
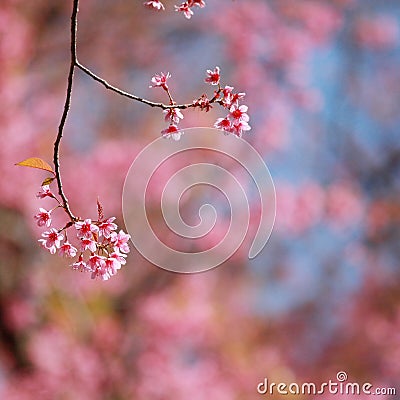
{"type": "Point", "coordinates": [340, 386]}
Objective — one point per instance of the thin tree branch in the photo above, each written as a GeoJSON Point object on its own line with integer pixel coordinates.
{"type": "Point", "coordinates": [97, 78]}
{"type": "Point", "coordinates": [74, 22]}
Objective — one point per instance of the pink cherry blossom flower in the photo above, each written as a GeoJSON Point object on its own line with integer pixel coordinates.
{"type": "Point", "coordinates": [239, 127]}
{"type": "Point", "coordinates": [85, 229]}
{"type": "Point", "coordinates": [227, 90]}
{"type": "Point", "coordinates": [160, 80]}
{"type": "Point", "coordinates": [45, 192]}
{"type": "Point", "coordinates": [88, 244]}
{"type": "Point", "coordinates": [172, 132]}
{"type": "Point", "coordinates": [67, 250]}
{"type": "Point", "coordinates": [99, 267]}
{"type": "Point", "coordinates": [80, 265]}
{"type": "Point", "coordinates": [239, 113]}
{"type": "Point", "coordinates": [224, 124]}
{"type": "Point", "coordinates": [102, 273]}
{"type": "Point", "coordinates": [106, 227]}
{"type": "Point", "coordinates": [185, 9]}
{"type": "Point", "coordinates": [43, 218]}
{"type": "Point", "coordinates": [199, 3]}
{"type": "Point", "coordinates": [52, 240]}
{"type": "Point", "coordinates": [120, 241]}
{"type": "Point", "coordinates": [112, 266]}
{"type": "Point", "coordinates": [173, 115]}
{"type": "Point", "coordinates": [119, 257]}
{"type": "Point", "coordinates": [96, 261]}
{"type": "Point", "coordinates": [213, 77]}
{"type": "Point", "coordinates": [230, 98]}
{"type": "Point", "coordinates": [235, 97]}
{"type": "Point", "coordinates": [227, 96]}
{"type": "Point", "coordinates": [156, 4]}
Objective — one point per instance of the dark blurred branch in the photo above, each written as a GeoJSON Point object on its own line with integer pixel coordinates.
{"type": "Point", "coordinates": [10, 339]}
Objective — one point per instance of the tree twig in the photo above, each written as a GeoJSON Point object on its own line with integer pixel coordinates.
{"type": "Point", "coordinates": [121, 92]}
{"type": "Point", "coordinates": [74, 23]}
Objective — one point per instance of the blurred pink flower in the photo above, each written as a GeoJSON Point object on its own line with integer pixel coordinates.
{"type": "Point", "coordinates": [344, 205]}
{"type": "Point", "coordinates": [377, 32]}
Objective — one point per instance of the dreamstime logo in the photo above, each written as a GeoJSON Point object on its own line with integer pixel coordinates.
{"type": "Point", "coordinates": [169, 178]}
{"type": "Point", "coordinates": [340, 386]}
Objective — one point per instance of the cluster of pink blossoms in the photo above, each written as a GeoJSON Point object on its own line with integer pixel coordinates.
{"type": "Point", "coordinates": [236, 122]}
{"type": "Point", "coordinates": [106, 249]}
{"type": "Point", "coordinates": [185, 7]}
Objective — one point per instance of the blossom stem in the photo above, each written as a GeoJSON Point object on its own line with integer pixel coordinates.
{"type": "Point", "coordinates": [54, 208]}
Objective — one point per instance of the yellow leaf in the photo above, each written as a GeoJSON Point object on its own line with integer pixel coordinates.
{"type": "Point", "coordinates": [48, 180]}
{"type": "Point", "coordinates": [35, 162]}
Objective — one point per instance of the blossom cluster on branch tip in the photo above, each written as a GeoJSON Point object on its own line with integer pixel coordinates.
{"type": "Point", "coordinates": [99, 248]}
{"type": "Point", "coordinates": [237, 120]}
{"type": "Point", "coordinates": [185, 7]}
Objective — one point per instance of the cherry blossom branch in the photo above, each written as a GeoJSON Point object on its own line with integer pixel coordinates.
{"type": "Point", "coordinates": [90, 73]}
{"type": "Point", "coordinates": [104, 248]}
{"type": "Point", "coordinates": [121, 92]}
{"type": "Point", "coordinates": [67, 104]}
{"type": "Point", "coordinates": [225, 97]}
{"type": "Point", "coordinates": [236, 122]}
